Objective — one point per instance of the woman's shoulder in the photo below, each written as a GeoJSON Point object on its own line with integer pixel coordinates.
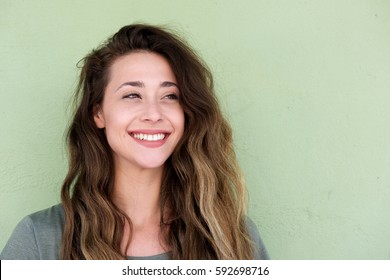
{"type": "Point", "coordinates": [260, 252]}
{"type": "Point", "coordinates": [52, 218]}
{"type": "Point", "coordinates": [37, 236]}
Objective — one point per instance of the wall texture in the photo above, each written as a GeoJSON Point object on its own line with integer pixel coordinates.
{"type": "Point", "coordinates": [304, 83]}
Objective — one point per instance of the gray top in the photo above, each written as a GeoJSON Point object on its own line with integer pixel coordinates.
{"type": "Point", "coordinates": [38, 237]}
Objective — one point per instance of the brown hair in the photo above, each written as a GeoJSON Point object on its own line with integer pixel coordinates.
{"type": "Point", "coordinates": [202, 186]}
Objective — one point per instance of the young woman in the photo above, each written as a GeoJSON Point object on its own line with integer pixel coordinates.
{"type": "Point", "coordinates": [152, 171]}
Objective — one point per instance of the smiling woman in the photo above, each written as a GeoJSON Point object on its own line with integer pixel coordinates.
{"type": "Point", "coordinates": [152, 170]}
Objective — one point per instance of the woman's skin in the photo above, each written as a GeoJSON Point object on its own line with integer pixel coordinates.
{"type": "Point", "coordinates": [143, 121]}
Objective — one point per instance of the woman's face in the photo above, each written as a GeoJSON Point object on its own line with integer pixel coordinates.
{"type": "Point", "coordinates": [141, 112]}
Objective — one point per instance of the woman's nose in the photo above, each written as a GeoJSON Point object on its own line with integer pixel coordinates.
{"type": "Point", "coordinates": [152, 112]}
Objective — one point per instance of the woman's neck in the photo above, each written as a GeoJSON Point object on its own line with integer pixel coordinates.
{"type": "Point", "coordinates": [137, 193]}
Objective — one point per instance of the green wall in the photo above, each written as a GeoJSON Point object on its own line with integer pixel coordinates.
{"type": "Point", "coordinates": [305, 85]}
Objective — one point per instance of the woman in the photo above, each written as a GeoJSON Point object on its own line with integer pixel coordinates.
{"type": "Point", "coordinates": [152, 171]}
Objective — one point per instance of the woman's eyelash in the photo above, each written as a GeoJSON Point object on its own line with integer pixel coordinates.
{"type": "Point", "coordinates": [172, 96]}
{"type": "Point", "coordinates": [132, 96]}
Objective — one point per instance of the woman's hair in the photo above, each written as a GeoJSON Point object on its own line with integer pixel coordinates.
{"type": "Point", "coordinates": [202, 195]}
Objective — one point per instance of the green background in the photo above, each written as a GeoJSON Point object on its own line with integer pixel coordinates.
{"type": "Point", "coordinates": [305, 85]}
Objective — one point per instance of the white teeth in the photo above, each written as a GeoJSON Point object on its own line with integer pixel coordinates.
{"type": "Point", "coordinates": [149, 137]}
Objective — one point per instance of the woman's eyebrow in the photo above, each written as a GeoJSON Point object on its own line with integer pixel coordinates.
{"type": "Point", "coordinates": [142, 85]}
{"type": "Point", "coordinates": [169, 84]}
{"type": "Point", "coordinates": [132, 83]}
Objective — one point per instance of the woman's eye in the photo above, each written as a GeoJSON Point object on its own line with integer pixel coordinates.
{"type": "Point", "coordinates": [132, 96]}
{"type": "Point", "coordinates": [172, 96]}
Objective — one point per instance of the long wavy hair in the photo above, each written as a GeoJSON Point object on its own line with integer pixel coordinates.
{"type": "Point", "coordinates": [202, 187]}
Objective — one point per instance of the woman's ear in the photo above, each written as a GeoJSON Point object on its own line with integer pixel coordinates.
{"type": "Point", "coordinates": [99, 117]}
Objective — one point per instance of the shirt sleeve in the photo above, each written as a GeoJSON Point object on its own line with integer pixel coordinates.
{"type": "Point", "coordinates": [22, 244]}
{"type": "Point", "coordinates": [260, 252]}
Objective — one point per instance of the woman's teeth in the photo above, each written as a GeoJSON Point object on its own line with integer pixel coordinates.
{"type": "Point", "coordinates": [149, 137]}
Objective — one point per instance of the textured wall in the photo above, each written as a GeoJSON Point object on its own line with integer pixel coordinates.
{"type": "Point", "coordinates": [304, 83]}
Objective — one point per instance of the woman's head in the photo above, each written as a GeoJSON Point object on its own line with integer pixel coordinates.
{"type": "Point", "coordinates": [194, 82]}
